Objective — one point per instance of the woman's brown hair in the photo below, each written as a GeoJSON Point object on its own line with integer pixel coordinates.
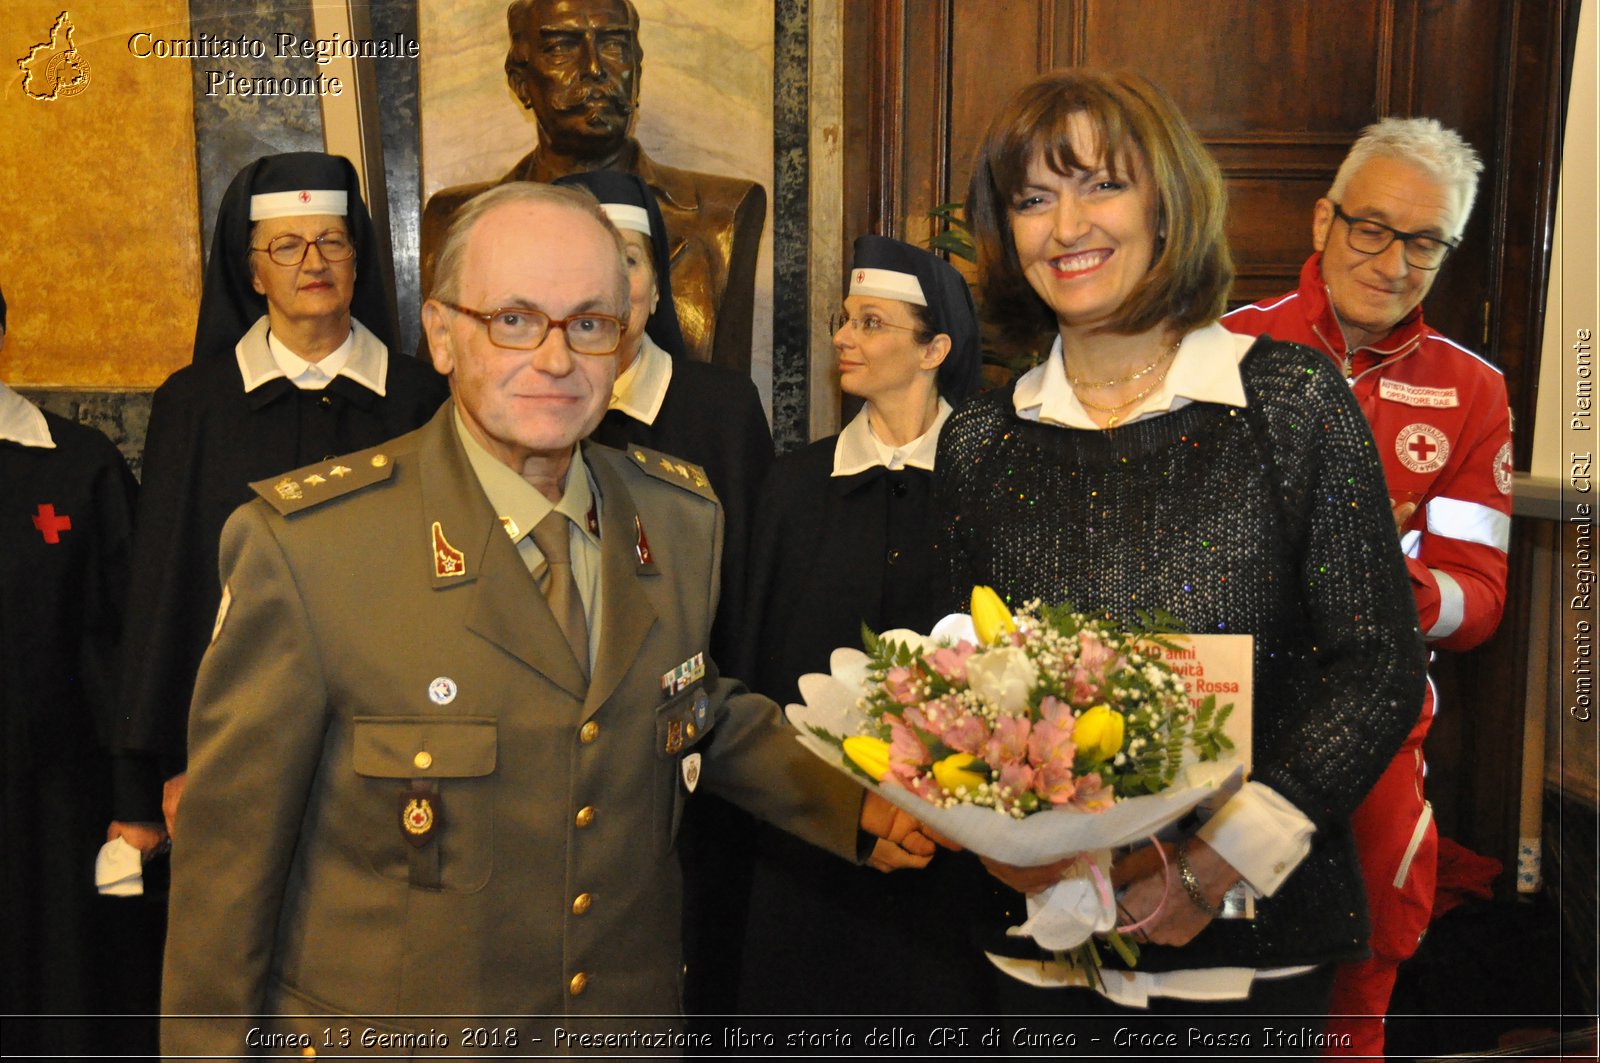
{"type": "Point", "coordinates": [1136, 124]}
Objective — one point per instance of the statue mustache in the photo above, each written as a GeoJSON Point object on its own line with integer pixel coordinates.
{"type": "Point", "coordinates": [578, 98]}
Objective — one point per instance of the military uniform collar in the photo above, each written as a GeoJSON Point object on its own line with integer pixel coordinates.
{"type": "Point", "coordinates": [21, 422]}
{"type": "Point", "coordinates": [521, 506]}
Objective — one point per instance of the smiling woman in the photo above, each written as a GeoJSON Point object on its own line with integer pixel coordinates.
{"type": "Point", "coordinates": [1156, 461]}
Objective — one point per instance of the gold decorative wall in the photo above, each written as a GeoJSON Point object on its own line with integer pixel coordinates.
{"type": "Point", "coordinates": [99, 236]}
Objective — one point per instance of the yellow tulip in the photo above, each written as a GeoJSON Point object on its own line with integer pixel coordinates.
{"type": "Point", "coordinates": [1098, 733]}
{"type": "Point", "coordinates": [952, 774]}
{"type": "Point", "coordinates": [869, 754]}
{"type": "Point", "coordinates": [990, 617]}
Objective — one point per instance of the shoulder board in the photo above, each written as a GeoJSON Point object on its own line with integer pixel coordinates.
{"type": "Point", "coordinates": [315, 484]}
{"type": "Point", "coordinates": [684, 474]}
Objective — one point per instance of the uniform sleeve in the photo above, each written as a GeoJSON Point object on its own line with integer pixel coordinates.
{"type": "Point", "coordinates": [255, 738]}
{"type": "Point", "coordinates": [1456, 542]}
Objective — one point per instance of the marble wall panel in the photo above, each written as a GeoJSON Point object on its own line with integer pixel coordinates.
{"type": "Point", "coordinates": [706, 103]}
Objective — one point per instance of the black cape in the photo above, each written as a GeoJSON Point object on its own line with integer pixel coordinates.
{"type": "Point", "coordinates": [829, 554]}
{"type": "Point", "coordinates": [208, 440]}
{"type": "Point", "coordinates": [66, 519]}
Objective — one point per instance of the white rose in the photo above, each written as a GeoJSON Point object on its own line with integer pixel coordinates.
{"type": "Point", "coordinates": [1003, 678]}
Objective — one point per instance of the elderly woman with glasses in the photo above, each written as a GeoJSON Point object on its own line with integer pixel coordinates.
{"type": "Point", "coordinates": [291, 365]}
{"type": "Point", "coordinates": [845, 536]}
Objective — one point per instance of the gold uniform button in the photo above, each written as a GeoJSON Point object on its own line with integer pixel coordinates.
{"type": "Point", "coordinates": [588, 732]}
{"type": "Point", "coordinates": [379, 460]}
{"type": "Point", "coordinates": [688, 730]}
{"type": "Point", "coordinates": [581, 902]}
{"type": "Point", "coordinates": [579, 983]}
{"type": "Point", "coordinates": [423, 760]}
{"type": "Point", "coordinates": [585, 816]}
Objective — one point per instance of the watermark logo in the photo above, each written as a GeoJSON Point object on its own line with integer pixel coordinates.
{"type": "Point", "coordinates": [55, 69]}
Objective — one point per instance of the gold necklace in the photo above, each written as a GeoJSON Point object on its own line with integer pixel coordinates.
{"type": "Point", "coordinates": [1115, 411]}
{"type": "Point", "coordinates": [1079, 382]}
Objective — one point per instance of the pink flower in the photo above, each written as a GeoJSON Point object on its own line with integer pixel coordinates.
{"type": "Point", "coordinates": [951, 661]}
{"type": "Point", "coordinates": [1092, 795]}
{"type": "Point", "coordinates": [902, 684]}
{"type": "Point", "coordinates": [1095, 656]}
{"type": "Point", "coordinates": [1008, 744]}
{"type": "Point", "coordinates": [1085, 689]}
{"type": "Point", "coordinates": [904, 746]}
{"type": "Point", "coordinates": [968, 734]}
{"type": "Point", "coordinates": [1051, 751]}
{"type": "Point", "coordinates": [1056, 712]}
{"type": "Point", "coordinates": [1018, 776]}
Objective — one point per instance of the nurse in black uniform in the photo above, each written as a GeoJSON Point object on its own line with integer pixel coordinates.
{"type": "Point", "coordinates": [293, 363]}
{"type": "Point", "coordinates": [845, 534]}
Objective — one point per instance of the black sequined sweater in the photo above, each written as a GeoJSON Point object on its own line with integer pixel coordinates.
{"type": "Point", "coordinates": [1270, 520]}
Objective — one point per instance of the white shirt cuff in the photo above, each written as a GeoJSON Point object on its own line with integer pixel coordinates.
{"type": "Point", "coordinates": [1261, 834]}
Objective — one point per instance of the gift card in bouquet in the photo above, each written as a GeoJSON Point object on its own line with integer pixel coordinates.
{"type": "Point", "coordinates": [1220, 667]}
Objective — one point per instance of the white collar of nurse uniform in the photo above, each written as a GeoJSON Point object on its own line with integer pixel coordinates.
{"type": "Point", "coordinates": [362, 357]}
{"type": "Point", "coordinates": [21, 422]}
{"type": "Point", "coordinates": [642, 387]}
{"type": "Point", "coordinates": [1205, 369]}
{"type": "Point", "coordinates": [859, 449]}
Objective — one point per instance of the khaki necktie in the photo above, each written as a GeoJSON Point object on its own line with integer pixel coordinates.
{"type": "Point", "coordinates": [560, 587]}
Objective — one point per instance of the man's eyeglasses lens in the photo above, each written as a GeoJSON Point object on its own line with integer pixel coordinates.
{"type": "Point", "coordinates": [291, 250]}
{"type": "Point", "coordinates": [1373, 237]}
{"type": "Point", "coordinates": [525, 329]}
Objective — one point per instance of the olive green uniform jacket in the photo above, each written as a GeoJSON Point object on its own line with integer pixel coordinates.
{"type": "Point", "coordinates": [546, 881]}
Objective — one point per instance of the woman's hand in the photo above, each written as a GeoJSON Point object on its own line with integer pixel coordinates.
{"type": "Point", "coordinates": [1029, 879]}
{"type": "Point", "coordinates": [1148, 885]}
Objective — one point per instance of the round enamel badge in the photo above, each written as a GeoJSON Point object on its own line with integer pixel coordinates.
{"type": "Point", "coordinates": [1422, 447]}
{"type": "Point", "coordinates": [418, 816]}
{"type": "Point", "coordinates": [1502, 468]}
{"type": "Point", "coordinates": [442, 691]}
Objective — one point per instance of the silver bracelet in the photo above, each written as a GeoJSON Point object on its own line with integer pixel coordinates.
{"type": "Point", "coordinates": [1191, 885]}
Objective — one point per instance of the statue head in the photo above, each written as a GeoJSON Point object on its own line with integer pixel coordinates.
{"type": "Point", "coordinates": [575, 64]}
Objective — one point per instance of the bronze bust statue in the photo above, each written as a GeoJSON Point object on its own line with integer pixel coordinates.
{"type": "Point", "coordinates": [575, 64]}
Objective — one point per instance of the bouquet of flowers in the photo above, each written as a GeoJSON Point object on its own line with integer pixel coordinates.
{"type": "Point", "coordinates": [1027, 738]}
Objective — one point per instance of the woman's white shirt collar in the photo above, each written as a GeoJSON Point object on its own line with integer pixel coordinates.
{"type": "Point", "coordinates": [858, 449]}
{"type": "Point", "coordinates": [1205, 369]}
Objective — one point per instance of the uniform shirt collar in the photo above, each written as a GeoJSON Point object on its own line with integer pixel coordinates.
{"type": "Point", "coordinates": [642, 387]}
{"type": "Point", "coordinates": [519, 505]}
{"type": "Point", "coordinates": [362, 358]}
{"type": "Point", "coordinates": [21, 422]}
{"type": "Point", "coordinates": [859, 449]}
{"type": "Point", "coordinates": [1205, 369]}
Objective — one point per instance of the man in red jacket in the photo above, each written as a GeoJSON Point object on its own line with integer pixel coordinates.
{"type": "Point", "coordinates": [1441, 422]}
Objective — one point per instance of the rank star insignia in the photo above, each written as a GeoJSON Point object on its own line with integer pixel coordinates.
{"type": "Point", "coordinates": [447, 560]}
{"type": "Point", "coordinates": [289, 490]}
{"type": "Point", "coordinates": [313, 480]}
{"type": "Point", "coordinates": [339, 470]}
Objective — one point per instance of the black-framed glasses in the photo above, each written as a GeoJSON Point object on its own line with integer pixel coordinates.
{"type": "Point", "coordinates": [1371, 237]}
{"type": "Point", "coordinates": [866, 325]}
{"type": "Point", "coordinates": [290, 250]}
{"type": "Point", "coordinates": [522, 328]}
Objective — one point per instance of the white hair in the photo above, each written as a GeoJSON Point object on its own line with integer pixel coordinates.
{"type": "Point", "coordinates": [1423, 143]}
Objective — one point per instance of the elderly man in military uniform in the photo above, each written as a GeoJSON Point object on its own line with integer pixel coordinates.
{"type": "Point", "coordinates": [576, 65]}
{"type": "Point", "coordinates": [458, 695]}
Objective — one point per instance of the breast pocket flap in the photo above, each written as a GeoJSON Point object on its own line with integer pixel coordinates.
{"type": "Point", "coordinates": [423, 747]}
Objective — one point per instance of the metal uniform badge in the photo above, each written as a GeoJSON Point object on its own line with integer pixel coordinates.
{"type": "Point", "coordinates": [642, 546]}
{"type": "Point", "coordinates": [691, 771]}
{"type": "Point", "coordinates": [447, 560]}
{"type": "Point", "coordinates": [442, 691]}
{"type": "Point", "coordinates": [674, 736]}
{"type": "Point", "coordinates": [288, 490]}
{"type": "Point", "coordinates": [421, 813]}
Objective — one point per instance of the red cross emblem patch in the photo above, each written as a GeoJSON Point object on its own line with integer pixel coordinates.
{"type": "Point", "coordinates": [49, 525]}
{"type": "Point", "coordinates": [1422, 447]}
{"type": "Point", "coordinates": [305, 197]}
{"type": "Point", "coordinates": [1502, 468]}
{"type": "Point", "coordinates": [861, 276]}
